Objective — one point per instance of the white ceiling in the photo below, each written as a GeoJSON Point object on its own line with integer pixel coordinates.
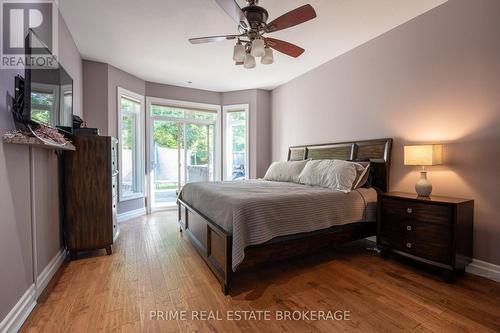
{"type": "Point", "coordinates": [149, 38]}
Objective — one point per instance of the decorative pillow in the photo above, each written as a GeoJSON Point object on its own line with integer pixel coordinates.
{"type": "Point", "coordinates": [363, 176]}
{"type": "Point", "coordinates": [288, 171]}
{"type": "Point", "coordinates": [335, 174]}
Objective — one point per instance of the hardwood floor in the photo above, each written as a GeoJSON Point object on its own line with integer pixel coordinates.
{"type": "Point", "coordinates": [154, 268]}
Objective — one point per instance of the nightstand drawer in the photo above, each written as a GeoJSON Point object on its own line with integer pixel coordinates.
{"type": "Point", "coordinates": [407, 211]}
{"type": "Point", "coordinates": [430, 241]}
{"type": "Point", "coordinates": [434, 230]}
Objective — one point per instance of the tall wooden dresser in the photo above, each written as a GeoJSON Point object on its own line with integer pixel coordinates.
{"type": "Point", "coordinates": [90, 194]}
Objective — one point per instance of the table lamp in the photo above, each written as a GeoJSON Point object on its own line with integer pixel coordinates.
{"type": "Point", "coordinates": [423, 155]}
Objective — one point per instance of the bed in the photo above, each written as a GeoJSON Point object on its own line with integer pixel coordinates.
{"type": "Point", "coordinates": [237, 225]}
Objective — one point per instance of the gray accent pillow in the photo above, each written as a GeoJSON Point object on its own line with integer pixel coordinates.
{"type": "Point", "coordinates": [288, 171]}
{"type": "Point", "coordinates": [363, 176]}
{"type": "Point", "coordinates": [335, 174]}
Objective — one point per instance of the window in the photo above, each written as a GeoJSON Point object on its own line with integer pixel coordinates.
{"type": "Point", "coordinates": [236, 142]}
{"type": "Point", "coordinates": [131, 144]}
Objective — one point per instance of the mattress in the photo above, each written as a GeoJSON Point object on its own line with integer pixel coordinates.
{"type": "Point", "coordinates": [256, 211]}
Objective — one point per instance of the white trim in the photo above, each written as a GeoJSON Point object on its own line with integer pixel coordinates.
{"type": "Point", "coordinates": [225, 110]}
{"type": "Point", "coordinates": [140, 142]}
{"type": "Point", "coordinates": [33, 215]}
{"type": "Point", "coordinates": [20, 312]}
{"type": "Point", "coordinates": [182, 104]}
{"type": "Point", "coordinates": [484, 269]}
{"type": "Point", "coordinates": [130, 215]}
{"type": "Point", "coordinates": [48, 272]}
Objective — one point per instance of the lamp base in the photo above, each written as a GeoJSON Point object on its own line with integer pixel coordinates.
{"type": "Point", "coordinates": [423, 186]}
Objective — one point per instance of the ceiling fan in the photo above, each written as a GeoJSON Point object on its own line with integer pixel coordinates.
{"type": "Point", "coordinates": [252, 25]}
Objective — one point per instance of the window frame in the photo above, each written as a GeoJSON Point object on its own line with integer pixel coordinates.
{"type": "Point", "coordinates": [226, 110]}
{"type": "Point", "coordinates": [139, 155]}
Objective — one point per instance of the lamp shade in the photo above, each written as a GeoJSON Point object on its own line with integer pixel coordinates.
{"type": "Point", "coordinates": [258, 48]}
{"type": "Point", "coordinates": [249, 61]}
{"type": "Point", "coordinates": [268, 57]}
{"type": "Point", "coordinates": [423, 155]}
{"type": "Point", "coordinates": [239, 53]}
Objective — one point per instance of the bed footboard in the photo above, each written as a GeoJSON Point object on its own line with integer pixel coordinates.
{"type": "Point", "coordinates": [211, 241]}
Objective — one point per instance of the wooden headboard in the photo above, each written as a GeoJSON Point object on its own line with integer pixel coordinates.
{"type": "Point", "coordinates": [378, 152]}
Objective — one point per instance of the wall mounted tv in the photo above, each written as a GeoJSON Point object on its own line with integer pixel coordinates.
{"type": "Point", "coordinates": [48, 91]}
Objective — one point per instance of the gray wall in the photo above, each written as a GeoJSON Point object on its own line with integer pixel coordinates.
{"type": "Point", "coordinates": [16, 275]}
{"type": "Point", "coordinates": [95, 95]}
{"type": "Point", "coordinates": [435, 78]}
{"type": "Point", "coordinates": [183, 94]}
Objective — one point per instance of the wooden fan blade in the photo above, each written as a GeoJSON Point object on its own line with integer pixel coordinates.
{"type": "Point", "coordinates": [292, 18]}
{"type": "Point", "coordinates": [239, 63]}
{"type": "Point", "coordinates": [212, 39]}
{"type": "Point", "coordinates": [284, 47]}
{"type": "Point", "coordinates": [234, 11]}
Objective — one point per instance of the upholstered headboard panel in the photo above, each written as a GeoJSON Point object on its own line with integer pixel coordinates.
{"type": "Point", "coordinates": [378, 152]}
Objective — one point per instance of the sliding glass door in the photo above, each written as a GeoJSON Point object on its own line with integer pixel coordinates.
{"type": "Point", "coordinates": [182, 150]}
{"type": "Point", "coordinates": [166, 159]}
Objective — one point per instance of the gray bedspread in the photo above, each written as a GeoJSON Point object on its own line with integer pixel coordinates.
{"type": "Point", "coordinates": [256, 211]}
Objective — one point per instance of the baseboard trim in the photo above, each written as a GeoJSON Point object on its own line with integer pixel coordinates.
{"type": "Point", "coordinates": [484, 269]}
{"type": "Point", "coordinates": [48, 272]}
{"type": "Point", "coordinates": [130, 215]}
{"type": "Point", "coordinates": [16, 317]}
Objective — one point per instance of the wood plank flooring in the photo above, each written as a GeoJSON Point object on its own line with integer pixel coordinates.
{"type": "Point", "coordinates": [154, 268]}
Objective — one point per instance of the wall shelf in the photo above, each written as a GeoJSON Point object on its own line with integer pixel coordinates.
{"type": "Point", "coordinates": [35, 142]}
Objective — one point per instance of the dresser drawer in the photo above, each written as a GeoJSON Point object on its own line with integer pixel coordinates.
{"type": "Point", "coordinates": [409, 211]}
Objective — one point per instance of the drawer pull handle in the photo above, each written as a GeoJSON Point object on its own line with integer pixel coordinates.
{"type": "Point", "coordinates": [408, 227]}
{"type": "Point", "coordinates": [409, 210]}
{"type": "Point", "coordinates": [408, 245]}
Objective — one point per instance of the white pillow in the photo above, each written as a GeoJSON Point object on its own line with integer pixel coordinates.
{"type": "Point", "coordinates": [335, 174]}
{"type": "Point", "coordinates": [288, 171]}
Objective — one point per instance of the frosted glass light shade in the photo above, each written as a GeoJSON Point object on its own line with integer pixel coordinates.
{"type": "Point", "coordinates": [249, 61]}
{"type": "Point", "coordinates": [268, 57]}
{"type": "Point", "coordinates": [258, 48]}
{"type": "Point", "coordinates": [239, 53]}
{"type": "Point", "coordinates": [424, 155]}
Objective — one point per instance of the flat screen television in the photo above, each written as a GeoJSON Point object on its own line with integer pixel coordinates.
{"type": "Point", "coordinates": [48, 91]}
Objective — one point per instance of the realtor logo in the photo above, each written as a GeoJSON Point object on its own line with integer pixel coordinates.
{"type": "Point", "coordinates": [20, 18]}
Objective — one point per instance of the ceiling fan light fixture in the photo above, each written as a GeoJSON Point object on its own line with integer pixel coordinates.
{"type": "Point", "coordinates": [239, 52]}
{"type": "Point", "coordinates": [249, 61]}
{"type": "Point", "coordinates": [258, 47]}
{"type": "Point", "coordinates": [268, 57]}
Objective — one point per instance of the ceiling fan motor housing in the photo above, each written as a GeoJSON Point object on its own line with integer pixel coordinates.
{"type": "Point", "coordinates": [256, 16]}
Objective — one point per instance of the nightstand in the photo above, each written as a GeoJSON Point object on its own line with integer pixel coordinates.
{"type": "Point", "coordinates": [433, 230]}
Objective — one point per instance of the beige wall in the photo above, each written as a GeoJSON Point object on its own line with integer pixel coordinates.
{"type": "Point", "coordinates": [436, 79]}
